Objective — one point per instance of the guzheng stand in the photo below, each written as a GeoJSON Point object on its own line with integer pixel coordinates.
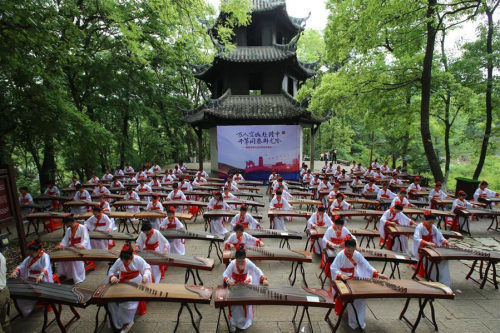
{"type": "Point", "coordinates": [293, 273]}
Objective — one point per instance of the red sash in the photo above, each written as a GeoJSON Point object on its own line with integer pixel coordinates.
{"type": "Point", "coordinates": [72, 238]}
{"type": "Point", "coordinates": [240, 277]}
{"type": "Point", "coordinates": [155, 207]}
{"type": "Point", "coordinates": [150, 246]}
{"type": "Point", "coordinates": [98, 223]}
{"type": "Point", "coordinates": [320, 220]}
{"type": "Point", "coordinates": [35, 259]}
{"type": "Point", "coordinates": [24, 199]}
{"type": "Point", "coordinates": [278, 205]}
{"type": "Point", "coordinates": [128, 275]}
{"type": "Point", "coordinates": [143, 189]}
{"type": "Point", "coordinates": [171, 224]}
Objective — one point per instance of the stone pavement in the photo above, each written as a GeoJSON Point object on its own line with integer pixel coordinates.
{"type": "Point", "coordinates": [472, 310]}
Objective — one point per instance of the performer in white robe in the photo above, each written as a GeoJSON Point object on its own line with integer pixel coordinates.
{"type": "Point", "coordinates": [233, 187]}
{"type": "Point", "coordinates": [94, 180]}
{"type": "Point", "coordinates": [53, 191]}
{"type": "Point", "coordinates": [76, 236]}
{"type": "Point", "coordinates": [240, 238]}
{"type": "Point", "coordinates": [172, 222]}
{"type": "Point", "coordinates": [108, 176]}
{"type": "Point", "coordinates": [132, 195]}
{"type": "Point", "coordinates": [116, 183]}
{"type": "Point", "coordinates": [101, 222]}
{"type": "Point", "coordinates": [279, 203]}
{"type": "Point", "coordinates": [370, 188]}
{"type": "Point", "coordinates": [307, 177]}
{"type": "Point", "coordinates": [401, 199]}
{"type": "Point", "coordinates": [100, 190]}
{"type": "Point", "coordinates": [460, 203]}
{"type": "Point", "coordinates": [152, 240]}
{"type": "Point", "coordinates": [313, 185]}
{"type": "Point", "coordinates": [128, 268]}
{"type": "Point", "coordinates": [155, 182]}
{"type": "Point", "coordinates": [228, 195]}
{"type": "Point", "coordinates": [119, 171]}
{"type": "Point", "coordinates": [278, 182]}
{"type": "Point", "coordinates": [35, 267]}
{"type": "Point", "coordinates": [143, 188]}
{"type": "Point", "coordinates": [25, 198]}
{"type": "Point", "coordinates": [238, 177]}
{"type": "Point", "coordinates": [385, 193]}
{"type": "Point", "coordinates": [323, 187]}
{"type": "Point", "coordinates": [427, 235]}
{"type": "Point", "coordinates": [176, 195]}
{"type": "Point", "coordinates": [322, 220]}
{"type": "Point", "coordinates": [246, 219]}
{"type": "Point", "coordinates": [394, 215]}
{"type": "Point", "coordinates": [348, 264]}
{"type": "Point", "coordinates": [83, 195]}
{"type": "Point", "coordinates": [202, 173]}
{"type": "Point", "coordinates": [242, 271]}
{"type": "Point", "coordinates": [155, 206]}
{"type": "Point", "coordinates": [199, 180]}
{"type": "Point", "coordinates": [436, 193]}
{"type": "Point", "coordinates": [155, 168]}
{"type": "Point", "coordinates": [484, 192]}
{"type": "Point", "coordinates": [128, 168]}
{"type": "Point", "coordinates": [395, 180]}
{"type": "Point", "coordinates": [339, 204]}
{"type": "Point", "coordinates": [217, 224]}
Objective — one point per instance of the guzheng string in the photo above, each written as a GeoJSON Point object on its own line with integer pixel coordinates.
{"type": "Point", "coordinates": [385, 283]}
{"type": "Point", "coordinates": [143, 287]}
{"type": "Point", "coordinates": [40, 288]}
{"type": "Point", "coordinates": [473, 251]}
{"type": "Point", "coordinates": [373, 252]}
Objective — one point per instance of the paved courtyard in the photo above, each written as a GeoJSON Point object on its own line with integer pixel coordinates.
{"type": "Point", "coordinates": [472, 310]}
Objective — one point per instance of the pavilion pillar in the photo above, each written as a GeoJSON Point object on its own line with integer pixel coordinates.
{"type": "Point", "coordinates": [314, 128]}
{"type": "Point", "coordinates": [199, 133]}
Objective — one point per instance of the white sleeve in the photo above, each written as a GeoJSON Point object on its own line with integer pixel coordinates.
{"type": "Point", "coordinates": [336, 265]}
{"type": "Point", "coordinates": [140, 241]}
{"type": "Point", "coordinates": [65, 240]}
{"type": "Point", "coordinates": [114, 270]}
{"type": "Point", "coordinates": [227, 275]}
{"type": "Point", "coordinates": [255, 270]}
{"type": "Point", "coordinates": [145, 268]}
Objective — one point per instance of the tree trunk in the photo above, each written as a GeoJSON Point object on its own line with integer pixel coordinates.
{"type": "Point", "coordinates": [124, 138]}
{"type": "Point", "coordinates": [47, 171]}
{"type": "Point", "coordinates": [489, 88]}
{"type": "Point", "coordinates": [371, 148]}
{"type": "Point", "coordinates": [425, 130]}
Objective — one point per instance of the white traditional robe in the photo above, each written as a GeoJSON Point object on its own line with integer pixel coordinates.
{"type": "Point", "coordinates": [153, 241]}
{"type": "Point", "coordinates": [285, 195]}
{"type": "Point", "coordinates": [168, 178]}
{"type": "Point", "coordinates": [336, 206]}
{"type": "Point", "coordinates": [436, 237]}
{"type": "Point", "coordinates": [132, 197]}
{"type": "Point", "coordinates": [360, 268]}
{"type": "Point", "coordinates": [30, 269]}
{"type": "Point", "coordinates": [141, 175]}
{"type": "Point", "coordinates": [436, 194]}
{"type": "Point", "coordinates": [124, 312]}
{"type": "Point", "coordinates": [103, 224]}
{"type": "Point", "coordinates": [238, 178]}
{"type": "Point", "coordinates": [84, 196]}
{"type": "Point", "coordinates": [107, 177]}
{"type": "Point", "coordinates": [177, 244]}
{"type": "Point", "coordinates": [385, 194]}
{"type": "Point", "coordinates": [155, 169]}
{"type": "Point", "coordinates": [276, 184]}
{"type": "Point", "coordinates": [245, 239]}
{"type": "Point", "coordinates": [335, 237]}
{"type": "Point", "coordinates": [464, 204]}
{"type": "Point", "coordinates": [279, 222]}
{"type": "Point", "coordinates": [155, 206]}
{"type": "Point", "coordinates": [132, 180]}
{"type": "Point", "coordinates": [320, 221]}
{"type": "Point", "coordinates": [25, 199]}
{"type": "Point", "coordinates": [414, 187]}
{"type": "Point", "coordinates": [247, 220]}
{"type": "Point", "coordinates": [394, 181]}
{"type": "Point", "coordinates": [177, 195]}
{"type": "Point", "coordinates": [397, 201]}
{"type": "Point", "coordinates": [199, 181]}
{"type": "Point", "coordinates": [399, 218]}
{"type": "Point", "coordinates": [119, 172]}
{"type": "Point", "coordinates": [143, 187]}
{"type": "Point", "coordinates": [155, 183]}
{"type": "Point", "coordinates": [203, 173]}
{"type": "Point", "coordinates": [54, 191]}
{"type": "Point", "coordinates": [232, 187]}
{"type": "Point", "coordinates": [100, 190]}
{"type": "Point", "coordinates": [324, 187]}
{"type": "Point", "coordinates": [486, 193]}
{"type": "Point", "coordinates": [93, 180]}
{"type": "Point", "coordinates": [117, 183]}
{"type": "Point", "coordinates": [370, 189]}
{"type": "Point", "coordinates": [217, 225]}
{"type": "Point", "coordinates": [230, 196]}
{"type": "Point", "coordinates": [242, 315]}
{"type": "Point", "coordinates": [306, 179]}
{"type": "Point", "coordinates": [74, 269]}
{"type": "Point", "coordinates": [185, 186]}
{"type": "Point", "coordinates": [129, 169]}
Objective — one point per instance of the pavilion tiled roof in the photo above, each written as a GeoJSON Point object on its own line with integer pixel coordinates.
{"type": "Point", "coordinates": [250, 108]}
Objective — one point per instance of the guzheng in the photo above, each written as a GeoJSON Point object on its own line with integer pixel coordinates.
{"type": "Point", "coordinates": [56, 236]}
{"type": "Point", "coordinates": [176, 203]}
{"type": "Point", "coordinates": [247, 194]}
{"type": "Point", "coordinates": [296, 187]}
{"type": "Point", "coordinates": [42, 197]}
{"type": "Point", "coordinates": [260, 295]}
{"type": "Point", "coordinates": [374, 255]}
{"type": "Point", "coordinates": [35, 206]}
{"type": "Point", "coordinates": [302, 194]}
{"type": "Point", "coordinates": [418, 203]}
{"type": "Point", "coordinates": [129, 203]}
{"type": "Point", "coordinates": [488, 201]}
{"type": "Point", "coordinates": [358, 212]}
{"type": "Point", "coordinates": [207, 188]}
{"type": "Point", "coordinates": [108, 195]}
{"type": "Point", "coordinates": [304, 202]}
{"type": "Point", "coordinates": [407, 230]}
{"type": "Point", "coordinates": [437, 212]}
{"type": "Point", "coordinates": [176, 260]}
{"type": "Point", "coordinates": [437, 254]}
{"type": "Point", "coordinates": [214, 213]}
{"type": "Point", "coordinates": [151, 292]}
{"type": "Point", "coordinates": [51, 294]}
{"type": "Point", "coordinates": [361, 201]}
{"type": "Point", "coordinates": [251, 182]}
{"type": "Point", "coordinates": [149, 194]}
{"type": "Point", "coordinates": [185, 234]}
{"type": "Point", "coordinates": [248, 188]}
{"type": "Point", "coordinates": [214, 179]}
{"type": "Point", "coordinates": [353, 289]}
{"type": "Point", "coordinates": [197, 193]}
{"type": "Point", "coordinates": [46, 215]}
{"type": "Point", "coordinates": [80, 203]}
{"type": "Point", "coordinates": [318, 233]}
{"type": "Point", "coordinates": [282, 295]}
{"type": "Point", "coordinates": [153, 214]}
{"type": "Point", "coordinates": [272, 233]}
{"type": "Point", "coordinates": [478, 212]}
{"type": "Point", "coordinates": [251, 203]}
{"type": "Point", "coordinates": [267, 253]}
{"type": "Point", "coordinates": [72, 254]}
{"type": "Point", "coordinates": [290, 213]}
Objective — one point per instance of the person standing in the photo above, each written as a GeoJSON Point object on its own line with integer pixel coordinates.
{"type": "Point", "coordinates": [334, 155]}
{"type": "Point", "coordinates": [4, 296]}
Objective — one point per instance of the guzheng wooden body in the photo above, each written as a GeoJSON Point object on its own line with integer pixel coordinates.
{"type": "Point", "coordinates": [282, 295]}
{"type": "Point", "coordinates": [207, 188]}
{"type": "Point", "coordinates": [319, 232]}
{"type": "Point", "coordinates": [488, 201]}
{"type": "Point", "coordinates": [35, 206]}
{"type": "Point", "coordinates": [154, 215]}
{"type": "Point", "coordinates": [176, 203]}
{"type": "Point", "coordinates": [353, 289]}
{"type": "Point", "coordinates": [56, 236]}
{"type": "Point", "coordinates": [358, 212]}
{"type": "Point", "coordinates": [150, 194]}
{"type": "Point", "coordinates": [272, 233]}
{"type": "Point", "coordinates": [268, 253]}
{"type": "Point", "coordinates": [80, 203]}
{"type": "Point", "coordinates": [302, 194]}
{"type": "Point", "coordinates": [247, 194]}
{"type": "Point", "coordinates": [43, 197]}
{"type": "Point", "coordinates": [478, 212]}
{"type": "Point", "coordinates": [388, 202]}
{"type": "Point", "coordinates": [405, 230]}
{"type": "Point", "coordinates": [176, 260]}
{"type": "Point", "coordinates": [437, 212]}
{"type": "Point", "coordinates": [374, 255]}
{"type": "Point", "coordinates": [72, 254]}
{"type": "Point", "coordinates": [185, 234]}
{"type": "Point", "coordinates": [49, 292]}
{"type": "Point", "coordinates": [151, 292]}
{"type": "Point", "coordinates": [251, 182]}
{"type": "Point", "coordinates": [108, 195]}
{"type": "Point", "coordinates": [215, 213]}
{"type": "Point", "coordinates": [361, 201]}
{"type": "Point", "coordinates": [198, 193]}
{"type": "Point", "coordinates": [455, 253]}
{"type": "Point", "coordinates": [251, 203]}
{"type": "Point", "coordinates": [290, 213]}
{"type": "Point", "coordinates": [46, 215]}
{"type": "Point", "coordinates": [304, 202]}
{"type": "Point", "coordinates": [140, 203]}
